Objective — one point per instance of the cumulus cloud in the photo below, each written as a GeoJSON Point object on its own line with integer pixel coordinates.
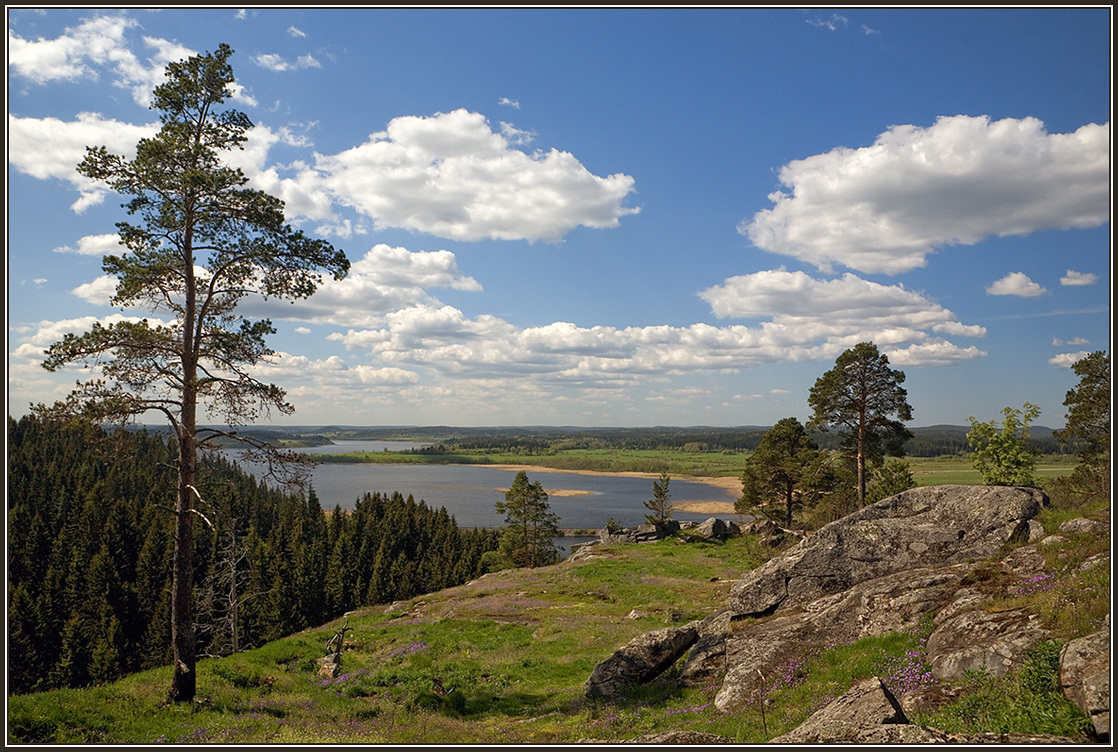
{"type": "Point", "coordinates": [94, 46]}
{"type": "Point", "coordinates": [72, 56]}
{"type": "Point", "coordinates": [97, 292]}
{"type": "Point", "coordinates": [34, 340]}
{"type": "Point", "coordinates": [886, 207]}
{"type": "Point", "coordinates": [1067, 360]}
{"type": "Point", "coordinates": [904, 325]}
{"type": "Point", "coordinates": [95, 245]}
{"type": "Point", "coordinates": [1074, 342]}
{"type": "Point", "coordinates": [1077, 279]}
{"type": "Point", "coordinates": [47, 148]}
{"type": "Point", "coordinates": [452, 176]}
{"type": "Point", "coordinates": [804, 319]}
{"type": "Point", "coordinates": [384, 280]}
{"type": "Point", "coordinates": [1015, 283]}
{"type": "Point", "coordinates": [505, 101]}
{"type": "Point", "coordinates": [785, 296]}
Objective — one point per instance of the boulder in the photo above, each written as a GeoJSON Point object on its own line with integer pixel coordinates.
{"type": "Point", "coordinates": [716, 529]}
{"type": "Point", "coordinates": [1085, 678]}
{"type": "Point", "coordinates": [641, 660]}
{"type": "Point", "coordinates": [976, 639]}
{"type": "Point", "coordinates": [1084, 525]}
{"type": "Point", "coordinates": [921, 527]}
{"type": "Point", "coordinates": [868, 703]}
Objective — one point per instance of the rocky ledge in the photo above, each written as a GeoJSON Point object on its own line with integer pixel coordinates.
{"type": "Point", "coordinates": [926, 552]}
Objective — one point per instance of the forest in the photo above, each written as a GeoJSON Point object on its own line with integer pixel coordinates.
{"type": "Point", "coordinates": [90, 539]}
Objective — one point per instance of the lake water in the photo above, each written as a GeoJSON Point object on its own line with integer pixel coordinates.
{"type": "Point", "coordinates": [469, 492]}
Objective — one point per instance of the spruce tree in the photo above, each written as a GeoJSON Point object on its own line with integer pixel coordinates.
{"type": "Point", "coordinates": [528, 540]}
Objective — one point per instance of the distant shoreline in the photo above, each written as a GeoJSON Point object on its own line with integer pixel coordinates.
{"type": "Point", "coordinates": [730, 484]}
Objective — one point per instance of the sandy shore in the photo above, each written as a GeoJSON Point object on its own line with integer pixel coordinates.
{"type": "Point", "coordinates": [730, 484]}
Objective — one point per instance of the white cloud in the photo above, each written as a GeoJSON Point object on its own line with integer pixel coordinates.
{"type": "Point", "coordinates": [886, 207]}
{"type": "Point", "coordinates": [843, 312]}
{"type": "Point", "coordinates": [98, 292]}
{"type": "Point", "coordinates": [70, 57]}
{"type": "Point", "coordinates": [47, 148]}
{"type": "Point", "coordinates": [43, 334]}
{"type": "Point", "coordinates": [832, 23]}
{"type": "Point", "coordinates": [1076, 279]}
{"type": "Point", "coordinates": [384, 280]}
{"type": "Point", "coordinates": [515, 136]}
{"type": "Point", "coordinates": [505, 101]}
{"type": "Point", "coordinates": [451, 176]}
{"type": "Point", "coordinates": [1067, 360]}
{"type": "Point", "coordinates": [95, 245]}
{"type": "Point", "coordinates": [443, 339]}
{"type": "Point", "coordinates": [1015, 283]}
{"type": "Point", "coordinates": [938, 353]}
{"type": "Point", "coordinates": [95, 45]}
{"type": "Point", "coordinates": [279, 64]}
{"type": "Point", "coordinates": [292, 31]}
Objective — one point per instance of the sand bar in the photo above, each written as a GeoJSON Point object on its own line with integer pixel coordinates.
{"type": "Point", "coordinates": [730, 484]}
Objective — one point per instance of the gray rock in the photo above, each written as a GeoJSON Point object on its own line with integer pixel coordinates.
{"type": "Point", "coordinates": [639, 534]}
{"type": "Point", "coordinates": [1085, 678]}
{"type": "Point", "coordinates": [880, 606]}
{"type": "Point", "coordinates": [920, 527]}
{"type": "Point", "coordinates": [641, 660]}
{"type": "Point", "coordinates": [717, 529]}
{"type": "Point", "coordinates": [979, 640]}
{"type": "Point", "coordinates": [868, 703]}
{"type": "Point", "coordinates": [1084, 525]}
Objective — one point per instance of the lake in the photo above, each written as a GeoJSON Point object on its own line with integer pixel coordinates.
{"type": "Point", "coordinates": [469, 492]}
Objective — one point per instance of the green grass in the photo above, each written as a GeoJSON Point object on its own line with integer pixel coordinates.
{"type": "Point", "coordinates": [943, 471]}
{"type": "Point", "coordinates": [503, 660]}
{"type": "Point", "coordinates": [1026, 702]}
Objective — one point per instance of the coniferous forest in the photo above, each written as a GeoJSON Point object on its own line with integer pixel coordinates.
{"type": "Point", "coordinates": [90, 541]}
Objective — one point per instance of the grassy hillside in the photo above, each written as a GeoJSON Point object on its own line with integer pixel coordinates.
{"type": "Point", "coordinates": [503, 660]}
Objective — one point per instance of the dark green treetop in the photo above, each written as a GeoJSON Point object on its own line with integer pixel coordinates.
{"type": "Point", "coordinates": [862, 397]}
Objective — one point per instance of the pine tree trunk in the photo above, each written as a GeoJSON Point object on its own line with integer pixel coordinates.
{"type": "Point", "coordinates": [183, 684]}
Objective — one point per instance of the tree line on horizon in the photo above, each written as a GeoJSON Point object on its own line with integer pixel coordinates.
{"type": "Point", "coordinates": [90, 540]}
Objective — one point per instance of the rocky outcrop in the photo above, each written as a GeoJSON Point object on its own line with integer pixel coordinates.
{"type": "Point", "coordinates": [642, 659]}
{"type": "Point", "coordinates": [875, 571]}
{"type": "Point", "coordinates": [1085, 678]}
{"type": "Point", "coordinates": [938, 552]}
{"type": "Point", "coordinates": [921, 527]}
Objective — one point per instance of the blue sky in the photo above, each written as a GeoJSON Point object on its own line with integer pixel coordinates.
{"type": "Point", "coordinates": [610, 217]}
